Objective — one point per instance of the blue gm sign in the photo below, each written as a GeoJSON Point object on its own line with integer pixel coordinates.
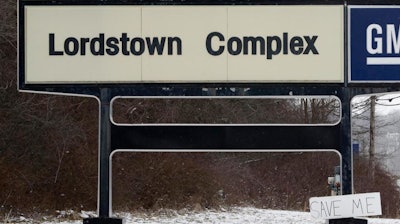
{"type": "Point", "coordinates": [374, 44]}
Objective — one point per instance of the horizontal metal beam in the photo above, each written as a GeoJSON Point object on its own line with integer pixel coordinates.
{"type": "Point", "coordinates": [225, 137]}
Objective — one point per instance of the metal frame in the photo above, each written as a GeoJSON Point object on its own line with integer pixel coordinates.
{"type": "Point", "coordinates": [224, 97]}
{"type": "Point", "coordinates": [105, 93]}
{"type": "Point", "coordinates": [205, 151]}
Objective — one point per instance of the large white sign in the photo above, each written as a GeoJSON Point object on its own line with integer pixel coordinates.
{"type": "Point", "coordinates": [191, 44]}
{"type": "Point", "coordinates": [346, 206]}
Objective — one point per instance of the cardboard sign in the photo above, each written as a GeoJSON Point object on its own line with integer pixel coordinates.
{"type": "Point", "coordinates": [346, 206]}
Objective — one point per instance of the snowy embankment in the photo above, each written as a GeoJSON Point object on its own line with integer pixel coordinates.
{"type": "Point", "coordinates": [231, 216]}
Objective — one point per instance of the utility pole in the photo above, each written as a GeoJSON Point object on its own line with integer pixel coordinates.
{"type": "Point", "coordinates": [372, 137]}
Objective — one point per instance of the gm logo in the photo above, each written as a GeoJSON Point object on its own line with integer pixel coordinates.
{"type": "Point", "coordinates": [374, 44]}
{"type": "Point", "coordinates": [375, 36]}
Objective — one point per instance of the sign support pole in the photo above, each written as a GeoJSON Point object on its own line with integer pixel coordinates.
{"type": "Point", "coordinates": [104, 163]}
{"type": "Point", "coordinates": [105, 150]}
{"type": "Point", "coordinates": [345, 143]}
{"type": "Point", "coordinates": [347, 154]}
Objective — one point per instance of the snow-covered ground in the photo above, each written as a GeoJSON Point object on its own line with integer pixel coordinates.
{"type": "Point", "coordinates": [231, 216]}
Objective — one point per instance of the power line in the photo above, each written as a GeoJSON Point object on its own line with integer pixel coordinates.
{"type": "Point", "coordinates": [390, 105]}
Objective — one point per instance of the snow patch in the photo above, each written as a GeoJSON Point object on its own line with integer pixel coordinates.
{"type": "Point", "coordinates": [237, 215]}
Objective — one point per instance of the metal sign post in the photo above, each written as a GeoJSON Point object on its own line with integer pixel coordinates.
{"type": "Point", "coordinates": [105, 150]}
{"type": "Point", "coordinates": [104, 198]}
{"type": "Point", "coordinates": [345, 142]}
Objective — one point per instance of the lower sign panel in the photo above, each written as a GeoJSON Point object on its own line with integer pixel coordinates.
{"type": "Point", "coordinates": [346, 206]}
